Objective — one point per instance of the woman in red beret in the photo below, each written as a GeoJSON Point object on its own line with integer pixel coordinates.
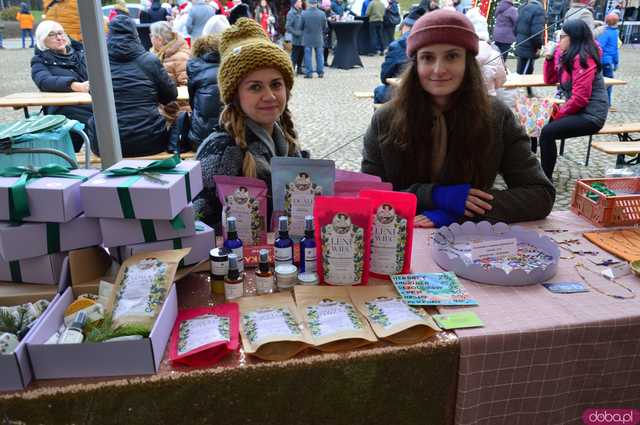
{"type": "Point", "coordinates": [444, 139]}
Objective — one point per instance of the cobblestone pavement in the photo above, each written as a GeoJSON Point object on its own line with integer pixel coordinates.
{"type": "Point", "coordinates": [331, 121]}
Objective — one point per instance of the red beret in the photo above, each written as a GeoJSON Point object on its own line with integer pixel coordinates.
{"type": "Point", "coordinates": [442, 26]}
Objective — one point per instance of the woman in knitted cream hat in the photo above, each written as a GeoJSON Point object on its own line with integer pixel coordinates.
{"type": "Point", "coordinates": [444, 139]}
{"type": "Point", "coordinates": [255, 81]}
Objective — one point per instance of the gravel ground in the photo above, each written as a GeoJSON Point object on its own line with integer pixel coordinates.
{"type": "Point", "coordinates": [331, 120]}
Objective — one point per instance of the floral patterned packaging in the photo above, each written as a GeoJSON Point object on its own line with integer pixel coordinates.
{"type": "Point", "coordinates": [295, 183]}
{"type": "Point", "coordinates": [244, 198]}
{"type": "Point", "coordinates": [203, 336]}
{"type": "Point", "coordinates": [391, 231]}
{"type": "Point", "coordinates": [270, 327]}
{"type": "Point", "coordinates": [390, 316]}
{"type": "Point", "coordinates": [141, 286]}
{"type": "Point", "coordinates": [333, 321]}
{"type": "Point", "coordinates": [343, 233]}
{"type": "Point", "coordinates": [353, 187]}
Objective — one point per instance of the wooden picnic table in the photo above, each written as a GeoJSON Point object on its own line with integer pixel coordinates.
{"type": "Point", "coordinates": [28, 99]}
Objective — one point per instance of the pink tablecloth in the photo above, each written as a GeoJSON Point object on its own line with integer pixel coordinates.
{"type": "Point", "coordinates": [544, 358]}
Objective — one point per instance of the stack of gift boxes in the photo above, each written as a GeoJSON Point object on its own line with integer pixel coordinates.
{"type": "Point", "coordinates": [146, 206]}
{"type": "Point", "coordinates": [132, 207]}
{"type": "Point", "coordinates": [41, 213]}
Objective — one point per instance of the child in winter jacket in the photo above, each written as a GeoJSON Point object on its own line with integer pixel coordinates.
{"type": "Point", "coordinates": [608, 41]}
{"type": "Point", "coordinates": [25, 19]}
{"type": "Point", "coordinates": [489, 59]}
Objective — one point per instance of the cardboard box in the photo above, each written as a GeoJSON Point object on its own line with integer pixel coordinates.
{"type": "Point", "coordinates": [45, 269]}
{"type": "Point", "coordinates": [15, 369]}
{"type": "Point", "coordinates": [120, 232]}
{"type": "Point", "coordinates": [201, 243]}
{"type": "Point", "coordinates": [51, 199]}
{"type": "Point", "coordinates": [156, 197]}
{"type": "Point", "coordinates": [47, 238]}
{"type": "Point", "coordinates": [96, 359]}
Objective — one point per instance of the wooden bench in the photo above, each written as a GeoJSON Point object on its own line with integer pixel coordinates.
{"type": "Point", "coordinates": [96, 161]}
{"type": "Point", "coordinates": [625, 145]}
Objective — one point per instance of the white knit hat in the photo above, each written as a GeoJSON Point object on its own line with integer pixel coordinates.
{"type": "Point", "coordinates": [216, 25]}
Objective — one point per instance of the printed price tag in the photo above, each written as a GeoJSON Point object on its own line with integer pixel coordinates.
{"type": "Point", "coordinates": [496, 248]}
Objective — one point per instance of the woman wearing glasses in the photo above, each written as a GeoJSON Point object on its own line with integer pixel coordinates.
{"type": "Point", "coordinates": [58, 65]}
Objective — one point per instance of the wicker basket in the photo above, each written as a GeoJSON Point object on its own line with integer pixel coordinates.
{"type": "Point", "coordinates": [604, 211]}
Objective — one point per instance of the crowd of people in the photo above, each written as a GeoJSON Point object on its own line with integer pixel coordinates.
{"type": "Point", "coordinates": [424, 138]}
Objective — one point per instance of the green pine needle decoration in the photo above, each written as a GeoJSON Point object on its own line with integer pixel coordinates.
{"type": "Point", "coordinates": [101, 331]}
{"type": "Point", "coordinates": [8, 323]}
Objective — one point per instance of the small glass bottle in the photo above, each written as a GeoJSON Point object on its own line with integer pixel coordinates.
{"type": "Point", "coordinates": [264, 276]}
{"type": "Point", "coordinates": [234, 280]}
{"type": "Point", "coordinates": [219, 261]}
{"type": "Point", "coordinates": [233, 243]}
{"type": "Point", "coordinates": [308, 247]}
{"type": "Point", "coordinates": [283, 244]}
{"type": "Point", "coordinates": [73, 334]}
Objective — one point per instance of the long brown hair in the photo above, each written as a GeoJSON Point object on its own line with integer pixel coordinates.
{"type": "Point", "coordinates": [469, 131]}
{"type": "Point", "coordinates": [233, 118]}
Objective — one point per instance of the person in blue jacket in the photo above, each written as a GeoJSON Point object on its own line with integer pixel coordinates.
{"type": "Point", "coordinates": [396, 56]}
{"type": "Point", "coordinates": [608, 41]}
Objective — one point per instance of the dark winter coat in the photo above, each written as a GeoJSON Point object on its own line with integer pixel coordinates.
{"type": "Point", "coordinates": [394, 60]}
{"type": "Point", "coordinates": [294, 26]}
{"type": "Point", "coordinates": [337, 8]}
{"type": "Point", "coordinates": [157, 13]}
{"type": "Point", "coordinates": [530, 21]}
{"type": "Point", "coordinates": [140, 84]}
{"type": "Point", "coordinates": [55, 72]}
{"type": "Point", "coordinates": [529, 194]}
{"type": "Point", "coordinates": [314, 24]}
{"type": "Point", "coordinates": [505, 24]}
{"type": "Point", "coordinates": [220, 155]}
{"type": "Point", "coordinates": [204, 95]}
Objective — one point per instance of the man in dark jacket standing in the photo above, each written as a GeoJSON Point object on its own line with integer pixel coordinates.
{"type": "Point", "coordinates": [204, 94]}
{"type": "Point", "coordinates": [155, 13]}
{"type": "Point", "coordinates": [294, 31]}
{"type": "Point", "coordinates": [504, 29]}
{"type": "Point", "coordinates": [314, 24]}
{"type": "Point", "coordinates": [140, 83]}
{"type": "Point", "coordinates": [530, 21]}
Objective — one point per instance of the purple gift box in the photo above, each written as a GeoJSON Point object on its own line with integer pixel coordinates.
{"type": "Point", "coordinates": [45, 269]}
{"type": "Point", "coordinates": [119, 232]}
{"type": "Point", "coordinates": [47, 238]}
{"type": "Point", "coordinates": [15, 369]}
{"type": "Point", "coordinates": [51, 199]}
{"type": "Point", "coordinates": [157, 196]}
{"type": "Point", "coordinates": [200, 243]}
{"type": "Point", "coordinates": [140, 357]}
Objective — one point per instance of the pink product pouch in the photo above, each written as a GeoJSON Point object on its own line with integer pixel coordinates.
{"type": "Point", "coordinates": [352, 188]}
{"type": "Point", "coordinates": [244, 198]}
{"type": "Point", "coordinates": [345, 175]}
{"type": "Point", "coordinates": [343, 237]}
{"type": "Point", "coordinates": [391, 231]}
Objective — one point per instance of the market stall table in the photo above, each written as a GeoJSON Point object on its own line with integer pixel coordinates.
{"type": "Point", "coordinates": [541, 358]}
{"type": "Point", "coordinates": [345, 55]}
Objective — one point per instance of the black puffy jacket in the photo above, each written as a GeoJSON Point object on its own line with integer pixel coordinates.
{"type": "Point", "coordinates": [155, 13]}
{"type": "Point", "coordinates": [204, 96]}
{"type": "Point", "coordinates": [55, 72]}
{"type": "Point", "coordinates": [530, 21]}
{"type": "Point", "coordinates": [140, 83]}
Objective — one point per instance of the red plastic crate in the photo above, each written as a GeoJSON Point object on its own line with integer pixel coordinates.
{"type": "Point", "coordinates": [619, 210]}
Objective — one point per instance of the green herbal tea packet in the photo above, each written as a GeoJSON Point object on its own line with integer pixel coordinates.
{"type": "Point", "coordinates": [333, 321]}
{"type": "Point", "coordinates": [141, 286]}
{"type": "Point", "coordinates": [270, 327]}
{"type": "Point", "coordinates": [390, 316]}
